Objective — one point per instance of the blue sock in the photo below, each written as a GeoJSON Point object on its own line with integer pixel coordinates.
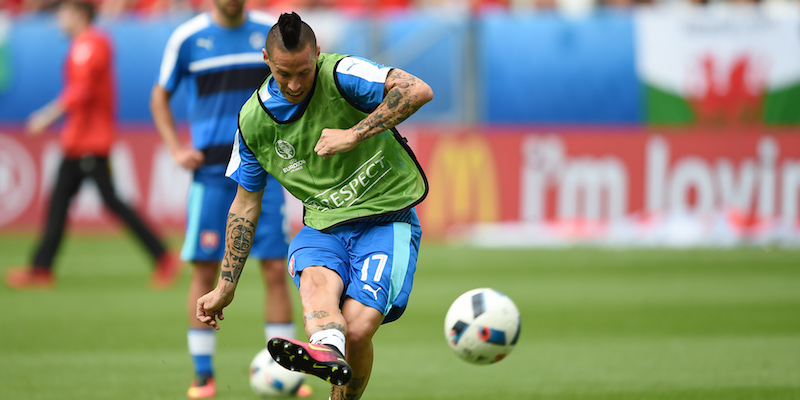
{"type": "Point", "coordinates": [202, 366]}
{"type": "Point", "coordinates": [202, 343]}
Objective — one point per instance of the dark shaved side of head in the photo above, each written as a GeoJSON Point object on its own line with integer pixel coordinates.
{"type": "Point", "coordinates": [290, 34]}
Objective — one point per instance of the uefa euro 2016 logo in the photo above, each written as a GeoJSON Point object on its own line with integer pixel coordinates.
{"type": "Point", "coordinates": [284, 149]}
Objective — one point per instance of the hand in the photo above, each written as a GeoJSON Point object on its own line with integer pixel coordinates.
{"type": "Point", "coordinates": [42, 118]}
{"type": "Point", "coordinates": [37, 123]}
{"type": "Point", "coordinates": [209, 307]}
{"type": "Point", "coordinates": [189, 158]}
{"type": "Point", "coordinates": [334, 141]}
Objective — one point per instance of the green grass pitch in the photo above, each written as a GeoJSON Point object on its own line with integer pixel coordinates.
{"type": "Point", "coordinates": [596, 324]}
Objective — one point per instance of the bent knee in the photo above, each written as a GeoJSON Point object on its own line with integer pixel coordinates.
{"type": "Point", "coordinates": [362, 322]}
{"type": "Point", "coordinates": [359, 335]}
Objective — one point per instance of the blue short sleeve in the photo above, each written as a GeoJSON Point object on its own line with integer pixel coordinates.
{"type": "Point", "coordinates": [175, 60]}
{"type": "Point", "coordinates": [362, 80]}
{"type": "Point", "coordinates": [244, 168]}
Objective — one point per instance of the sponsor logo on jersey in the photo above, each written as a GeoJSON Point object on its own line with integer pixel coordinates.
{"type": "Point", "coordinates": [352, 62]}
{"type": "Point", "coordinates": [257, 40]}
{"type": "Point", "coordinates": [206, 43]}
{"type": "Point", "coordinates": [81, 53]}
{"type": "Point", "coordinates": [371, 290]}
{"type": "Point", "coordinates": [291, 266]}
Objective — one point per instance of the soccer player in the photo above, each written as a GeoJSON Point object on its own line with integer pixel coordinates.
{"type": "Point", "coordinates": [87, 100]}
{"type": "Point", "coordinates": [217, 55]}
{"type": "Point", "coordinates": [323, 126]}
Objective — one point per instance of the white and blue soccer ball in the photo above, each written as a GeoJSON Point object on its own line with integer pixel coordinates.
{"type": "Point", "coordinates": [482, 326]}
{"type": "Point", "coordinates": [269, 379]}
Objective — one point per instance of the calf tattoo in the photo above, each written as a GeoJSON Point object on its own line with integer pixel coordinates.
{"type": "Point", "coordinates": [239, 241]}
{"type": "Point", "coordinates": [317, 314]}
{"type": "Point", "coordinates": [334, 325]}
{"type": "Point", "coordinates": [314, 328]}
{"type": "Point", "coordinates": [320, 314]}
{"type": "Point", "coordinates": [354, 389]}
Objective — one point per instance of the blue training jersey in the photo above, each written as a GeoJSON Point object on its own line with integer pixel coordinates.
{"type": "Point", "coordinates": [222, 67]}
{"type": "Point", "coordinates": [360, 79]}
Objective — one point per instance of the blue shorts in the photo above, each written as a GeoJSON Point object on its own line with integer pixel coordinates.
{"type": "Point", "coordinates": [210, 198]}
{"type": "Point", "coordinates": [376, 261]}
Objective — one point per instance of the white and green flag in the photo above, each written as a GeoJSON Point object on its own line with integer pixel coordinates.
{"type": "Point", "coordinates": [719, 66]}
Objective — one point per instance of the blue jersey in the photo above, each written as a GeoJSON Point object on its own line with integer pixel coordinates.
{"type": "Point", "coordinates": [222, 67]}
{"type": "Point", "coordinates": [361, 80]}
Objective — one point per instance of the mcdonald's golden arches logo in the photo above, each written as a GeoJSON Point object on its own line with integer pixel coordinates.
{"type": "Point", "coordinates": [464, 188]}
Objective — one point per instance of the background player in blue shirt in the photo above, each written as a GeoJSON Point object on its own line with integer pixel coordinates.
{"type": "Point", "coordinates": [217, 55]}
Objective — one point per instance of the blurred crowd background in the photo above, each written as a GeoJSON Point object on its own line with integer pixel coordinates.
{"type": "Point", "coordinates": [607, 121]}
{"type": "Point", "coordinates": [115, 8]}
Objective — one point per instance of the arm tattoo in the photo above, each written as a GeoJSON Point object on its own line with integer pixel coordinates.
{"type": "Point", "coordinates": [398, 104]}
{"type": "Point", "coordinates": [239, 240]}
{"type": "Point", "coordinates": [393, 99]}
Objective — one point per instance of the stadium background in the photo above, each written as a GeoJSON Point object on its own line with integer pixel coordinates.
{"type": "Point", "coordinates": [661, 125]}
{"type": "Point", "coordinates": [561, 137]}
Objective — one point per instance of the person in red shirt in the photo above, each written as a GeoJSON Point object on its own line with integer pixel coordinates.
{"type": "Point", "coordinates": [87, 101]}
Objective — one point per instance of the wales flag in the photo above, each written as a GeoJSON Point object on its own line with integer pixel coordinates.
{"type": "Point", "coordinates": [719, 66]}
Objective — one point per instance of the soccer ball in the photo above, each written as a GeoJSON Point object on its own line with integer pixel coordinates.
{"type": "Point", "coordinates": [482, 326]}
{"type": "Point", "coordinates": [269, 379]}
